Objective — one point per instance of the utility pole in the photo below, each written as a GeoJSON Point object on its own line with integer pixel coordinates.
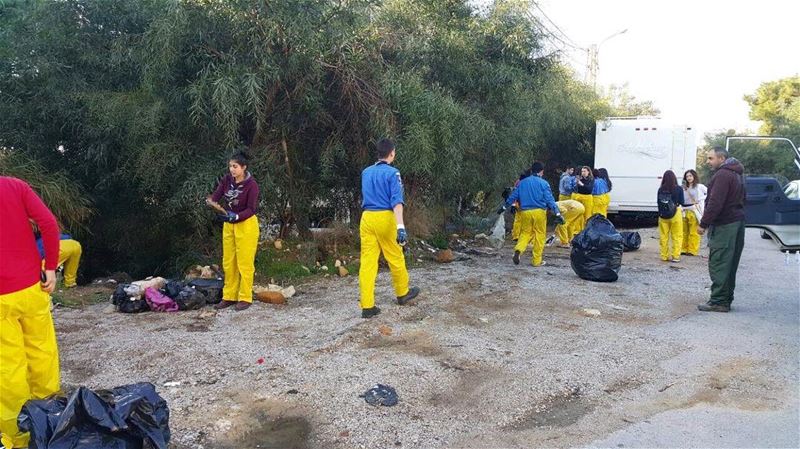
{"type": "Point", "coordinates": [592, 62]}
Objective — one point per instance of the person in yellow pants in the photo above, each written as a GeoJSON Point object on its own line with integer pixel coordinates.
{"type": "Point", "coordinates": [28, 349]}
{"type": "Point", "coordinates": [694, 193]}
{"type": "Point", "coordinates": [670, 217]}
{"type": "Point", "coordinates": [566, 184]}
{"type": "Point", "coordinates": [382, 230]}
{"type": "Point", "coordinates": [601, 196]}
{"type": "Point", "coordinates": [582, 193]}
{"type": "Point", "coordinates": [239, 232]}
{"type": "Point", "coordinates": [69, 255]}
{"type": "Point", "coordinates": [572, 211]}
{"type": "Point", "coordinates": [535, 197]}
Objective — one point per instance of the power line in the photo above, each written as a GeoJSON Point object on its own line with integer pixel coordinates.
{"type": "Point", "coordinates": [571, 42]}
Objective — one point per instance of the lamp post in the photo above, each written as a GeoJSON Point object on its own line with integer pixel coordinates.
{"type": "Point", "coordinates": [593, 64]}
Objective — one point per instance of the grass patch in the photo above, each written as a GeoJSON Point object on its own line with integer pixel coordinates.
{"type": "Point", "coordinates": [439, 241]}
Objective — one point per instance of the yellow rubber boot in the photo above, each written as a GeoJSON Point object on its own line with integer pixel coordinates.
{"type": "Point", "coordinates": [29, 357]}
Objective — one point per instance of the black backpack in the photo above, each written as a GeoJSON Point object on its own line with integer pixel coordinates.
{"type": "Point", "coordinates": [666, 207]}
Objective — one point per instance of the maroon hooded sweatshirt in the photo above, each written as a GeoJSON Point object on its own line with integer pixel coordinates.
{"type": "Point", "coordinates": [726, 195]}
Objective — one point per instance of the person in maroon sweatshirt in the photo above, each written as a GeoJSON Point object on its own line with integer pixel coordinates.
{"type": "Point", "coordinates": [239, 193]}
{"type": "Point", "coordinates": [28, 350]}
{"type": "Point", "coordinates": [723, 218]}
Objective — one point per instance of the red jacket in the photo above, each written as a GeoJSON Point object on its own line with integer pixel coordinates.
{"type": "Point", "coordinates": [20, 263]}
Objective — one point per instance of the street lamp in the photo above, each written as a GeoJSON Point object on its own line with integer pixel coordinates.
{"type": "Point", "coordinates": [593, 64]}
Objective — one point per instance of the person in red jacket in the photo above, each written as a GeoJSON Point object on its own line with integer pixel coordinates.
{"type": "Point", "coordinates": [723, 218]}
{"type": "Point", "coordinates": [29, 356]}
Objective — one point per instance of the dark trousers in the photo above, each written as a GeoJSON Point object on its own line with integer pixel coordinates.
{"type": "Point", "coordinates": [725, 244]}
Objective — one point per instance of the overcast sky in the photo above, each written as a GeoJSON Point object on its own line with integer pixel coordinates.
{"type": "Point", "coordinates": [694, 59]}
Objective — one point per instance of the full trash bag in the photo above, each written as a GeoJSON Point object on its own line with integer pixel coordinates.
{"type": "Point", "coordinates": [128, 299]}
{"type": "Point", "coordinates": [631, 240]}
{"type": "Point", "coordinates": [190, 299]}
{"type": "Point", "coordinates": [597, 251]}
{"type": "Point", "coordinates": [129, 417]}
{"type": "Point", "coordinates": [159, 302]}
{"type": "Point", "coordinates": [212, 288]}
{"type": "Point", "coordinates": [173, 289]}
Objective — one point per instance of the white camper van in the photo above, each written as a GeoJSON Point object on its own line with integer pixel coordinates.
{"type": "Point", "coordinates": [637, 151]}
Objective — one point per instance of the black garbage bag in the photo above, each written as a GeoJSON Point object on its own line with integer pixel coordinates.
{"type": "Point", "coordinates": [212, 288]}
{"type": "Point", "coordinates": [597, 251]}
{"type": "Point", "coordinates": [125, 302]}
{"type": "Point", "coordinates": [631, 240]}
{"type": "Point", "coordinates": [173, 289]}
{"type": "Point", "coordinates": [381, 394]}
{"type": "Point", "coordinates": [129, 417]}
{"type": "Point", "coordinates": [190, 298]}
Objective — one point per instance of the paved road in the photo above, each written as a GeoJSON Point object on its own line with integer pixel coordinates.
{"type": "Point", "coordinates": [757, 346]}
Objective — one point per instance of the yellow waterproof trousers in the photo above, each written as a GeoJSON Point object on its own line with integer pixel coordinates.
{"type": "Point", "coordinates": [572, 211]}
{"type": "Point", "coordinates": [239, 244]}
{"type": "Point", "coordinates": [691, 239]}
{"type": "Point", "coordinates": [515, 228]}
{"type": "Point", "coordinates": [671, 229]}
{"type": "Point", "coordinates": [600, 204]}
{"type": "Point", "coordinates": [69, 255]}
{"type": "Point", "coordinates": [28, 357]}
{"type": "Point", "coordinates": [588, 207]}
{"type": "Point", "coordinates": [564, 197]}
{"type": "Point", "coordinates": [378, 231]}
{"type": "Point", "coordinates": [533, 227]}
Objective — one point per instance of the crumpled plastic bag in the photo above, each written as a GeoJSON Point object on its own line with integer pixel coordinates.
{"type": "Point", "coordinates": [631, 240]}
{"type": "Point", "coordinates": [380, 395]}
{"type": "Point", "coordinates": [121, 418]}
{"type": "Point", "coordinates": [597, 251]}
{"type": "Point", "coordinates": [159, 302]}
{"type": "Point", "coordinates": [190, 299]}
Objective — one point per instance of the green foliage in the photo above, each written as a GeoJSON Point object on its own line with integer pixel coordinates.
{"type": "Point", "coordinates": [146, 100]}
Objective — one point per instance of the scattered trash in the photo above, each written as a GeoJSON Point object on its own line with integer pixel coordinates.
{"type": "Point", "coordinates": [270, 297]}
{"type": "Point", "coordinates": [385, 330]}
{"type": "Point", "coordinates": [338, 263]}
{"type": "Point", "coordinates": [597, 251]}
{"type": "Point", "coordinates": [278, 244]}
{"type": "Point", "coordinates": [156, 283]}
{"type": "Point", "coordinates": [445, 256]}
{"type": "Point", "coordinates": [498, 235]}
{"type": "Point", "coordinates": [324, 268]}
{"type": "Point", "coordinates": [616, 307]}
{"type": "Point", "coordinates": [591, 313]}
{"type": "Point", "coordinates": [343, 271]}
{"type": "Point", "coordinates": [172, 384]}
{"type": "Point", "coordinates": [190, 299]}
{"type": "Point", "coordinates": [128, 299]}
{"type": "Point", "coordinates": [127, 417]}
{"type": "Point", "coordinates": [289, 291]}
{"type": "Point", "coordinates": [380, 395]}
{"type": "Point", "coordinates": [631, 240]}
{"type": "Point", "coordinates": [664, 388]}
{"type": "Point", "coordinates": [260, 361]}
{"type": "Point", "coordinates": [292, 391]}
{"type": "Point", "coordinates": [207, 314]}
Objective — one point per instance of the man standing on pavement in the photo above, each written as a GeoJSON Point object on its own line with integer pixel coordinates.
{"type": "Point", "coordinates": [565, 184]}
{"type": "Point", "coordinates": [28, 350]}
{"type": "Point", "coordinates": [535, 197]}
{"type": "Point", "coordinates": [382, 230]}
{"type": "Point", "coordinates": [723, 218]}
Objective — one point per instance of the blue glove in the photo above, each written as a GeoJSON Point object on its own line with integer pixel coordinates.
{"type": "Point", "coordinates": [231, 217]}
{"type": "Point", "coordinates": [501, 210]}
{"type": "Point", "coordinates": [560, 219]}
{"type": "Point", "coordinates": [402, 237]}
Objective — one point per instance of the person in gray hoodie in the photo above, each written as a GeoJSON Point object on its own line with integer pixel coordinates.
{"type": "Point", "coordinates": [723, 219]}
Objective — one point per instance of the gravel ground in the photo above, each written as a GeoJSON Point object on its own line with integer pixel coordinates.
{"type": "Point", "coordinates": [491, 355]}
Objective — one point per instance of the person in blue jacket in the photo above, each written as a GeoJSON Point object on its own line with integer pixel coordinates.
{"type": "Point", "coordinates": [600, 192]}
{"type": "Point", "coordinates": [535, 197]}
{"type": "Point", "coordinates": [382, 230]}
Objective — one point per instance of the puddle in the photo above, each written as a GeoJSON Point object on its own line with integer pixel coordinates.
{"type": "Point", "coordinates": [558, 411]}
{"type": "Point", "coordinates": [261, 430]}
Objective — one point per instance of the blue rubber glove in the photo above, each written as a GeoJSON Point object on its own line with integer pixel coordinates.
{"type": "Point", "coordinates": [402, 237]}
{"type": "Point", "coordinates": [231, 217]}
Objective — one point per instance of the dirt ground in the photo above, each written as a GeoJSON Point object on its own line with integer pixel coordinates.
{"type": "Point", "coordinates": [491, 355]}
